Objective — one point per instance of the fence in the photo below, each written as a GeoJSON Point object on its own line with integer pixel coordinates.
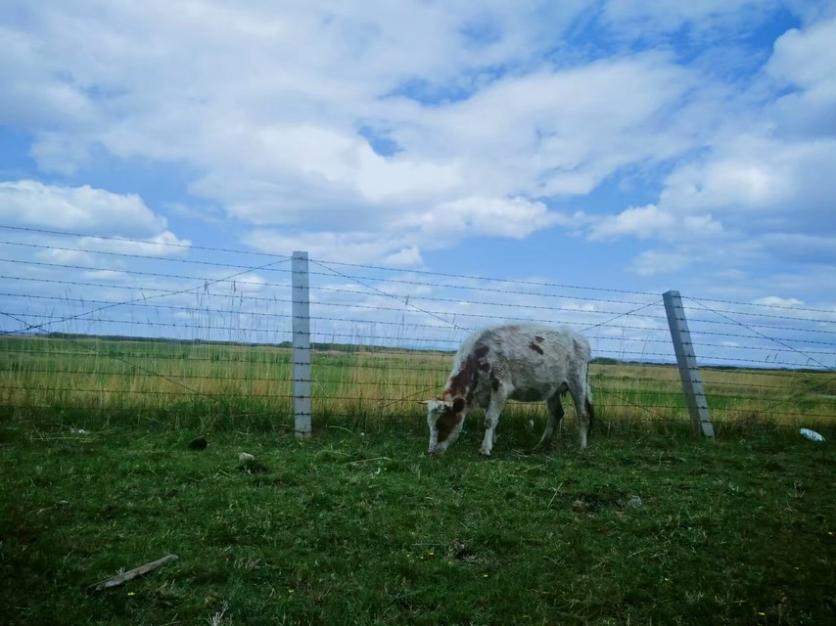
{"type": "Point", "coordinates": [158, 330]}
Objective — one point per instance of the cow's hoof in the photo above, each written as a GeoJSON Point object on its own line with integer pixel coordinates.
{"type": "Point", "coordinates": [484, 452]}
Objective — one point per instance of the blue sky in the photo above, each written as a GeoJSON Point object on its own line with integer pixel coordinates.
{"type": "Point", "coordinates": [614, 143]}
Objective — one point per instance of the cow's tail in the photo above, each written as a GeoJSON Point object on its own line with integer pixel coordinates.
{"type": "Point", "coordinates": [590, 410]}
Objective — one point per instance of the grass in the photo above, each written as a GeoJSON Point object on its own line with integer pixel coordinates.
{"type": "Point", "coordinates": [211, 385]}
{"type": "Point", "coordinates": [358, 526]}
{"type": "Point", "coordinates": [368, 530]}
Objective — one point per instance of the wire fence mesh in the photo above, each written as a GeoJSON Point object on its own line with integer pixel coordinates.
{"type": "Point", "coordinates": [144, 328]}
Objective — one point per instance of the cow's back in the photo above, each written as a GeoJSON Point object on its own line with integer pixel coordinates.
{"type": "Point", "coordinates": [534, 361]}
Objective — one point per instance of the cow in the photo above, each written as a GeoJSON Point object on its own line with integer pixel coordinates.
{"type": "Point", "coordinates": [525, 362]}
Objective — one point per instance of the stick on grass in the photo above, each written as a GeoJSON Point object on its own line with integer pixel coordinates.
{"type": "Point", "coordinates": [121, 579]}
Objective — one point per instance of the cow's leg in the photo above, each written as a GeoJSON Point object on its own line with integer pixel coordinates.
{"type": "Point", "coordinates": [555, 407]}
{"type": "Point", "coordinates": [495, 407]}
{"type": "Point", "coordinates": [583, 407]}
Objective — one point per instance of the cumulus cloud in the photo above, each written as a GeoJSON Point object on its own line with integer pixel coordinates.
{"type": "Point", "coordinates": [348, 128]}
{"type": "Point", "coordinates": [80, 208]}
{"type": "Point", "coordinates": [31, 203]}
{"type": "Point", "coordinates": [652, 222]}
{"type": "Point", "coordinates": [767, 165]}
{"type": "Point", "coordinates": [765, 184]}
{"type": "Point", "coordinates": [353, 247]}
{"type": "Point", "coordinates": [556, 133]}
{"type": "Point", "coordinates": [286, 141]}
{"type": "Point", "coordinates": [512, 217]}
{"type": "Point", "coordinates": [759, 176]}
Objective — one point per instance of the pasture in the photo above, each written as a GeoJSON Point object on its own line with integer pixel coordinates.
{"type": "Point", "coordinates": [359, 526]}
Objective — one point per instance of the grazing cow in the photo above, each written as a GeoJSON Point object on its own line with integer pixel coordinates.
{"type": "Point", "coordinates": [513, 362]}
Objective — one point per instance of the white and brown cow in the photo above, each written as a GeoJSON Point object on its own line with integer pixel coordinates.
{"type": "Point", "coordinates": [514, 362]}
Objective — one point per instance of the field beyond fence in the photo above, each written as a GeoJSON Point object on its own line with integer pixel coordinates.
{"type": "Point", "coordinates": [98, 381]}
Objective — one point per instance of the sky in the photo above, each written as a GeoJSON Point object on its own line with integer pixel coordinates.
{"type": "Point", "coordinates": [609, 143]}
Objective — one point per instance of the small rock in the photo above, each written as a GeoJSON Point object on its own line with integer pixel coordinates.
{"type": "Point", "coordinates": [579, 506]}
{"type": "Point", "coordinates": [198, 443]}
{"type": "Point", "coordinates": [249, 464]}
{"type": "Point", "coordinates": [633, 502]}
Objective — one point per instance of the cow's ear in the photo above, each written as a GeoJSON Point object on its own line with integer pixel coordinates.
{"type": "Point", "coordinates": [458, 405]}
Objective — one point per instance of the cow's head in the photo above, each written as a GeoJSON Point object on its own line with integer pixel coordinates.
{"type": "Point", "coordinates": [445, 419]}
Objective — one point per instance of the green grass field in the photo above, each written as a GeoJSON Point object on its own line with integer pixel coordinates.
{"type": "Point", "coordinates": [359, 526]}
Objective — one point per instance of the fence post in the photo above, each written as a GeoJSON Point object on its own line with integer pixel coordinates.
{"type": "Point", "coordinates": [301, 346]}
{"type": "Point", "coordinates": [689, 371]}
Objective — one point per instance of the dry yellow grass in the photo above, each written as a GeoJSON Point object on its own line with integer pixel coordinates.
{"type": "Point", "coordinates": [138, 377]}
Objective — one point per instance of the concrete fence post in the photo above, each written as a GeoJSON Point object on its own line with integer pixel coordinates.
{"type": "Point", "coordinates": [689, 371]}
{"type": "Point", "coordinates": [301, 357]}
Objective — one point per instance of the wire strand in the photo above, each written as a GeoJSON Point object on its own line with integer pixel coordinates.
{"type": "Point", "coordinates": [763, 336]}
{"type": "Point", "coordinates": [151, 242]}
{"type": "Point", "coordinates": [406, 302]}
{"type": "Point", "coordinates": [191, 246]}
{"type": "Point", "coordinates": [130, 255]}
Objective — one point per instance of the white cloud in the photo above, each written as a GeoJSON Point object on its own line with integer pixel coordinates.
{"type": "Point", "coordinates": [71, 257]}
{"type": "Point", "coordinates": [405, 257]}
{"type": "Point", "coordinates": [280, 144]}
{"type": "Point", "coordinates": [117, 216]}
{"type": "Point", "coordinates": [556, 132]}
{"type": "Point", "coordinates": [780, 164]}
{"type": "Point", "coordinates": [651, 222]}
{"type": "Point", "coordinates": [76, 208]}
{"type": "Point", "coordinates": [352, 247]}
{"type": "Point", "coordinates": [806, 58]}
{"type": "Point", "coordinates": [34, 96]}
{"type": "Point", "coordinates": [60, 153]}
{"type": "Point", "coordinates": [654, 262]}
{"type": "Point", "coordinates": [778, 301]}
{"type": "Point", "coordinates": [105, 275]}
{"type": "Point", "coordinates": [642, 222]}
{"type": "Point", "coordinates": [804, 62]}
{"type": "Point", "coordinates": [758, 176]}
{"type": "Point", "coordinates": [767, 179]}
{"type": "Point", "coordinates": [165, 243]}
{"type": "Point", "coordinates": [512, 217]}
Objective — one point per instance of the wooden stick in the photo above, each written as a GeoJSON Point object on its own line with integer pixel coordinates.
{"type": "Point", "coordinates": [121, 579]}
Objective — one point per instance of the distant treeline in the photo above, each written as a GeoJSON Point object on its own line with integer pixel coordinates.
{"type": "Point", "coordinates": [334, 347]}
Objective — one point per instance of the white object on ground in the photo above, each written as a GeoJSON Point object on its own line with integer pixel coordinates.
{"type": "Point", "coordinates": [246, 457]}
{"type": "Point", "coordinates": [812, 435]}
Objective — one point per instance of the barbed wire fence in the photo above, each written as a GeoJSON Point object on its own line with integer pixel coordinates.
{"type": "Point", "coordinates": [127, 326]}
